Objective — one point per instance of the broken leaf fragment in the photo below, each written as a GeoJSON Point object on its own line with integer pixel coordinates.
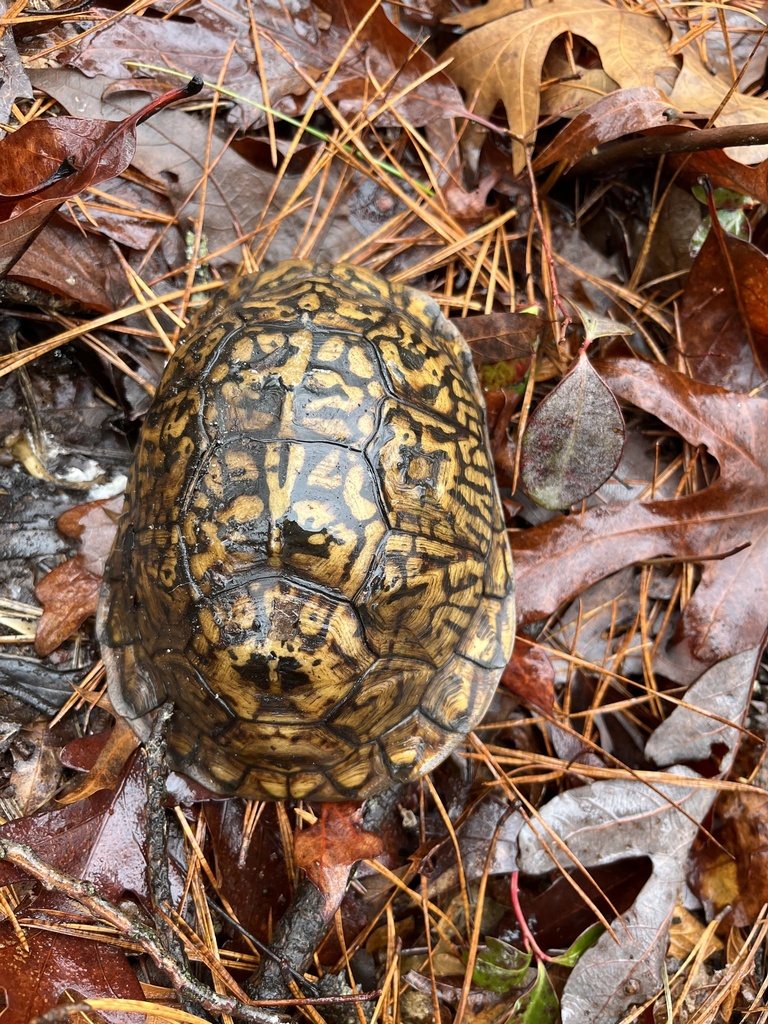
{"type": "Point", "coordinates": [574, 439]}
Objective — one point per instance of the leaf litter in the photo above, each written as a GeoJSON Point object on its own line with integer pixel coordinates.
{"type": "Point", "coordinates": [620, 769]}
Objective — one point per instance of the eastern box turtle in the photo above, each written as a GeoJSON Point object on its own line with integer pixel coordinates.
{"type": "Point", "coordinates": [312, 563]}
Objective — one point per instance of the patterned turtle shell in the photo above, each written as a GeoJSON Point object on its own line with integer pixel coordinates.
{"type": "Point", "coordinates": [312, 563]}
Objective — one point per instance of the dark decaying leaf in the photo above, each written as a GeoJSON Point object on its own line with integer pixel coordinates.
{"type": "Point", "coordinates": [529, 675]}
{"type": "Point", "coordinates": [730, 870]}
{"type": "Point", "coordinates": [722, 171]}
{"type": "Point", "coordinates": [289, 49]}
{"type": "Point", "coordinates": [559, 559]}
{"type": "Point", "coordinates": [724, 313]}
{"type": "Point", "coordinates": [100, 839]}
{"type": "Point", "coordinates": [573, 441]}
{"type": "Point", "coordinates": [502, 345]}
{"type": "Point", "coordinates": [69, 593]}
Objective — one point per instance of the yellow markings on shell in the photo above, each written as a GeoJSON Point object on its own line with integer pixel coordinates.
{"type": "Point", "coordinates": [359, 363]}
{"type": "Point", "coordinates": [332, 349]}
{"type": "Point", "coordinates": [268, 342]}
{"type": "Point", "coordinates": [212, 556]}
{"type": "Point", "coordinates": [209, 626]}
{"type": "Point", "coordinates": [281, 491]}
{"type": "Point", "coordinates": [243, 509]}
{"type": "Point", "coordinates": [326, 475]}
{"type": "Point", "coordinates": [354, 481]}
{"type": "Point", "coordinates": [242, 350]}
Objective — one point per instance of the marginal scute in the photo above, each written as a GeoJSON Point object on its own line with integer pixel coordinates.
{"type": "Point", "coordinates": [312, 564]}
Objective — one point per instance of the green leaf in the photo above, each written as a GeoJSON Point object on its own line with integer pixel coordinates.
{"type": "Point", "coordinates": [539, 1005]}
{"type": "Point", "coordinates": [500, 967]}
{"type": "Point", "coordinates": [576, 951]}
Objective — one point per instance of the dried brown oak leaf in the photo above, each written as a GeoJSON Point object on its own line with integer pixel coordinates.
{"type": "Point", "coordinates": [69, 593]}
{"type": "Point", "coordinates": [725, 524]}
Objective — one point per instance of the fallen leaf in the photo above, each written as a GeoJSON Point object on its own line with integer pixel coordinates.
{"type": "Point", "coordinates": [327, 850]}
{"type": "Point", "coordinates": [99, 839]}
{"type": "Point", "coordinates": [49, 160]}
{"type": "Point", "coordinates": [731, 869]}
{"type": "Point", "coordinates": [35, 980]}
{"type": "Point", "coordinates": [69, 593]}
{"type": "Point", "coordinates": [502, 60]}
{"type": "Point", "coordinates": [573, 441]}
{"type": "Point", "coordinates": [619, 114]}
{"type": "Point", "coordinates": [701, 727]}
{"type": "Point", "coordinates": [529, 675]}
{"type": "Point", "coordinates": [600, 824]}
{"type": "Point", "coordinates": [559, 559]}
{"type": "Point", "coordinates": [724, 313]}
{"type": "Point", "coordinates": [697, 90]}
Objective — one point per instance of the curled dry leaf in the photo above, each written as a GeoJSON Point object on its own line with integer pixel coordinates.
{"type": "Point", "coordinates": [573, 441]}
{"type": "Point", "coordinates": [614, 116]}
{"type": "Point", "coordinates": [46, 162]}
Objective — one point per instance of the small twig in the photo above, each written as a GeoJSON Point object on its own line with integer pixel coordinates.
{"type": "Point", "coordinates": [651, 146]}
{"type": "Point", "coordinates": [141, 935]}
{"type": "Point", "coordinates": [559, 329]}
{"type": "Point", "coordinates": [157, 831]}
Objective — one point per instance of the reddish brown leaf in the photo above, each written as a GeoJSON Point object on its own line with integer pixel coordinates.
{"type": "Point", "coordinates": [113, 749]}
{"type": "Point", "coordinates": [558, 560]}
{"type": "Point", "coordinates": [327, 850]}
{"type": "Point", "coordinates": [613, 116]}
{"type": "Point", "coordinates": [69, 593]}
{"type": "Point", "coordinates": [530, 676]}
{"type": "Point", "coordinates": [724, 313]}
{"type": "Point", "coordinates": [48, 161]}
{"type": "Point", "coordinates": [573, 441]}
{"type": "Point", "coordinates": [34, 980]}
{"type": "Point", "coordinates": [722, 171]}
{"type": "Point", "coordinates": [253, 879]}
{"type": "Point", "coordinates": [100, 839]}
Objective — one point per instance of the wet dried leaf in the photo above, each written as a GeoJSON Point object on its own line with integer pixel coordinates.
{"type": "Point", "coordinates": [732, 870]}
{"type": "Point", "coordinates": [36, 769]}
{"type": "Point", "coordinates": [699, 728]}
{"type": "Point", "coordinates": [602, 823]}
{"type": "Point", "coordinates": [613, 116]}
{"type": "Point", "coordinates": [327, 850]}
{"type": "Point", "coordinates": [36, 979]}
{"type": "Point", "coordinates": [573, 441]}
{"type": "Point", "coordinates": [69, 593]}
{"type": "Point", "coordinates": [100, 839]}
{"type": "Point", "coordinates": [558, 560]}
{"type": "Point", "coordinates": [502, 60]}
{"type": "Point", "coordinates": [48, 161]}
{"type": "Point", "coordinates": [724, 313]}
{"type": "Point", "coordinates": [530, 676]}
